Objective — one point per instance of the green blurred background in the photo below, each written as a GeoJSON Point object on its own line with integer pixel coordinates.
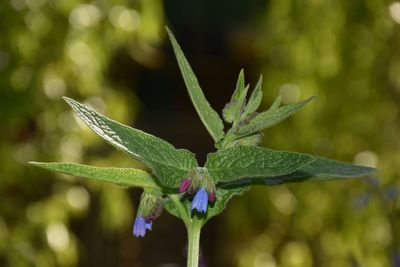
{"type": "Point", "coordinates": [114, 56]}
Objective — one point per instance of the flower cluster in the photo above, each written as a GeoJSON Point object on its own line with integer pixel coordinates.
{"type": "Point", "coordinates": [150, 208]}
{"type": "Point", "coordinates": [200, 183]}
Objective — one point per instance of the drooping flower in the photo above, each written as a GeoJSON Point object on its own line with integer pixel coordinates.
{"type": "Point", "coordinates": [150, 208]}
{"type": "Point", "coordinates": [200, 183]}
{"type": "Point", "coordinates": [140, 226]}
{"type": "Point", "coordinates": [200, 201]}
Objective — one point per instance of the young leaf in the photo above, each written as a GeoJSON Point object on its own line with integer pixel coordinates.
{"type": "Point", "coordinates": [233, 109]}
{"type": "Point", "coordinates": [270, 117]}
{"type": "Point", "coordinates": [169, 165]}
{"type": "Point", "coordinates": [121, 176]}
{"type": "Point", "coordinates": [249, 140]}
{"type": "Point", "coordinates": [240, 162]}
{"type": "Point", "coordinates": [321, 169]}
{"type": "Point", "coordinates": [208, 115]}
{"type": "Point", "coordinates": [254, 100]}
{"type": "Point", "coordinates": [276, 104]}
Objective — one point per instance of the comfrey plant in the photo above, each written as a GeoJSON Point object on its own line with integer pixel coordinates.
{"type": "Point", "coordinates": [196, 194]}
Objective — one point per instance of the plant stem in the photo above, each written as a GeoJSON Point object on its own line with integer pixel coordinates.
{"type": "Point", "coordinates": [194, 230]}
{"type": "Point", "coordinates": [181, 209]}
{"type": "Point", "coordinates": [193, 226]}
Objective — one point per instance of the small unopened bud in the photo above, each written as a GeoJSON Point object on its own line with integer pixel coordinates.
{"type": "Point", "coordinates": [185, 185]}
{"type": "Point", "coordinates": [202, 186]}
{"type": "Point", "coordinates": [211, 197]}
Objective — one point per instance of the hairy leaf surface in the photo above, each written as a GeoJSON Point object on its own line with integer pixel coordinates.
{"type": "Point", "coordinates": [240, 162]}
{"type": "Point", "coordinates": [321, 169]}
{"type": "Point", "coordinates": [230, 108]}
{"type": "Point", "coordinates": [254, 100]}
{"type": "Point", "coordinates": [270, 117]}
{"type": "Point", "coordinates": [169, 165]}
{"type": "Point", "coordinates": [122, 176]}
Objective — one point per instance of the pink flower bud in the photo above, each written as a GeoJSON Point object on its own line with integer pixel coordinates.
{"type": "Point", "coordinates": [184, 185]}
{"type": "Point", "coordinates": [211, 197]}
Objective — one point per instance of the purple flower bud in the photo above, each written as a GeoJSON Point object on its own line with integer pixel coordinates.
{"type": "Point", "coordinates": [184, 185]}
{"type": "Point", "coordinates": [200, 201]}
{"type": "Point", "coordinates": [140, 226]}
{"type": "Point", "coordinates": [211, 197]}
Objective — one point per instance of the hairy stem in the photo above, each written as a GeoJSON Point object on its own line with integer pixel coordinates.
{"type": "Point", "coordinates": [194, 230]}
{"type": "Point", "coordinates": [181, 209]}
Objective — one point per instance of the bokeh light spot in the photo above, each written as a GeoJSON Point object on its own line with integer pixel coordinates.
{"type": "Point", "coordinates": [78, 198]}
{"type": "Point", "coordinates": [366, 158]}
{"type": "Point", "coordinates": [85, 16]}
{"type": "Point", "coordinates": [283, 200]}
{"type": "Point", "coordinates": [57, 236]}
{"type": "Point", "coordinates": [80, 53]}
{"type": "Point", "coordinates": [264, 260]}
{"type": "Point", "coordinates": [71, 148]}
{"type": "Point", "coordinates": [296, 254]}
{"type": "Point", "coordinates": [290, 93]}
{"type": "Point", "coordinates": [126, 19]}
{"type": "Point", "coordinates": [54, 87]}
{"type": "Point", "coordinates": [394, 10]}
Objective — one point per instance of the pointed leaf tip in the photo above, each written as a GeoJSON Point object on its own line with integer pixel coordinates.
{"type": "Point", "coordinates": [272, 116]}
{"type": "Point", "coordinates": [207, 114]}
{"type": "Point", "coordinates": [234, 108]}
{"type": "Point", "coordinates": [255, 99]}
{"type": "Point", "coordinates": [121, 176]}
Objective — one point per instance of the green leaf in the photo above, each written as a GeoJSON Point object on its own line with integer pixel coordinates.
{"type": "Point", "coordinates": [208, 115]}
{"type": "Point", "coordinates": [276, 104]}
{"type": "Point", "coordinates": [254, 100]}
{"type": "Point", "coordinates": [121, 176]}
{"type": "Point", "coordinates": [229, 110]}
{"type": "Point", "coordinates": [249, 140]}
{"type": "Point", "coordinates": [233, 109]}
{"type": "Point", "coordinates": [321, 169]}
{"type": "Point", "coordinates": [240, 162]}
{"type": "Point", "coordinates": [169, 165]}
{"type": "Point", "coordinates": [270, 117]}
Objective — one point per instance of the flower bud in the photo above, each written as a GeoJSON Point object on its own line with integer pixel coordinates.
{"type": "Point", "coordinates": [200, 183]}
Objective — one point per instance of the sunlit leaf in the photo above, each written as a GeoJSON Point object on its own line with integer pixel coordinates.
{"type": "Point", "coordinates": [122, 176]}
{"type": "Point", "coordinates": [169, 165]}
